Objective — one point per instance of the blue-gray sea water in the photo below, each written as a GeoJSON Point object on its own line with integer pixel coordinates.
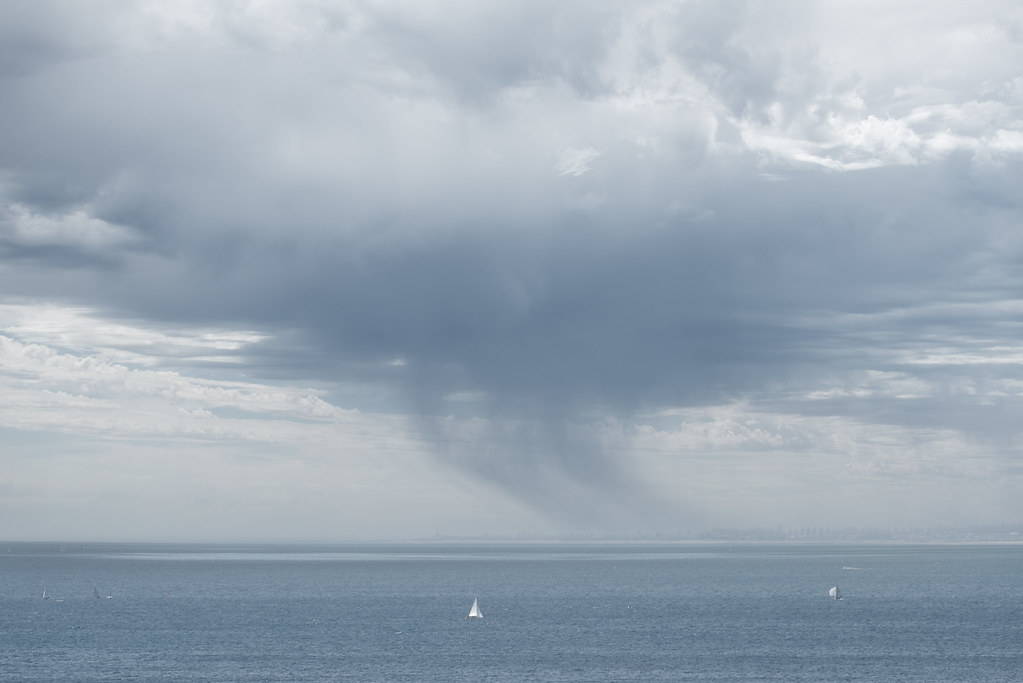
{"type": "Point", "coordinates": [579, 612]}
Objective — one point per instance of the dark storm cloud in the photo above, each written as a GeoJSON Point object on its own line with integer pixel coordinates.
{"type": "Point", "coordinates": [552, 212]}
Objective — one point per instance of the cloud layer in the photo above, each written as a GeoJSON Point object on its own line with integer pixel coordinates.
{"type": "Point", "coordinates": [623, 265]}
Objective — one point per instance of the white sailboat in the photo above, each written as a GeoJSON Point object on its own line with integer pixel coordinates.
{"type": "Point", "coordinates": [475, 613]}
{"type": "Point", "coordinates": [95, 591]}
{"type": "Point", "coordinates": [835, 593]}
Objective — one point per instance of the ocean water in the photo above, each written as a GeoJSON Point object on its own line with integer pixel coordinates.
{"type": "Point", "coordinates": [576, 612]}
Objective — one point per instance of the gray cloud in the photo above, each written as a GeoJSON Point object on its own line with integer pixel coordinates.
{"type": "Point", "coordinates": [554, 215]}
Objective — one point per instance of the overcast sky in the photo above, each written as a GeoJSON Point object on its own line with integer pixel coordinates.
{"type": "Point", "coordinates": [352, 270]}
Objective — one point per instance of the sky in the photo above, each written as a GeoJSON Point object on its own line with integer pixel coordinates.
{"type": "Point", "coordinates": [327, 270]}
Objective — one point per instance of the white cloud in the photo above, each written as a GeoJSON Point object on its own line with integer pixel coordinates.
{"type": "Point", "coordinates": [83, 330]}
{"type": "Point", "coordinates": [927, 134]}
{"type": "Point", "coordinates": [1007, 141]}
{"type": "Point", "coordinates": [75, 229]}
{"type": "Point", "coordinates": [786, 468]}
{"type": "Point", "coordinates": [574, 161]}
{"type": "Point", "coordinates": [46, 389]}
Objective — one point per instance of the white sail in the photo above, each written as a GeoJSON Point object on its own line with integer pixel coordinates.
{"type": "Point", "coordinates": [475, 613]}
{"type": "Point", "coordinates": [835, 593]}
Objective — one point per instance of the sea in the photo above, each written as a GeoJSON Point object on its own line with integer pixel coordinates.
{"type": "Point", "coordinates": [551, 612]}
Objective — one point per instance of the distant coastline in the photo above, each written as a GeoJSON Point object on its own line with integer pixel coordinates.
{"type": "Point", "coordinates": [1009, 533]}
{"type": "Point", "coordinates": [993, 534]}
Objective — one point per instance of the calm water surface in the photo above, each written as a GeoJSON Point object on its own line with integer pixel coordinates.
{"type": "Point", "coordinates": [576, 612]}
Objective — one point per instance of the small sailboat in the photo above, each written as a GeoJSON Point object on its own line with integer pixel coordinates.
{"type": "Point", "coordinates": [475, 613]}
{"type": "Point", "coordinates": [835, 593]}
{"type": "Point", "coordinates": [45, 596]}
{"type": "Point", "coordinates": [95, 591]}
